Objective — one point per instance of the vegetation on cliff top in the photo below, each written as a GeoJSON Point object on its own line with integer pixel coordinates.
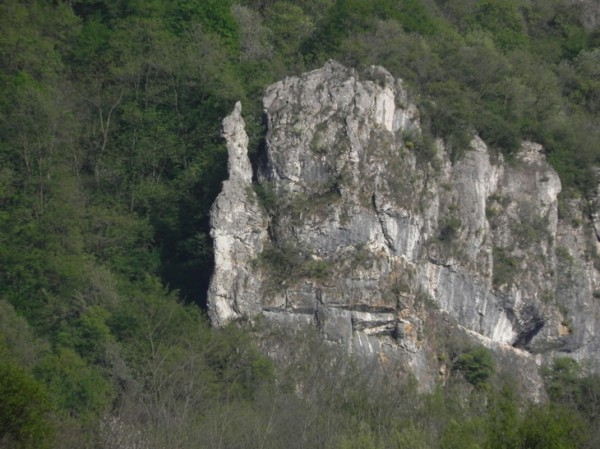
{"type": "Point", "coordinates": [110, 158]}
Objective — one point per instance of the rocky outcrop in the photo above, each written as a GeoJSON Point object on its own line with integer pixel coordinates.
{"type": "Point", "coordinates": [372, 234]}
{"type": "Point", "coordinates": [238, 229]}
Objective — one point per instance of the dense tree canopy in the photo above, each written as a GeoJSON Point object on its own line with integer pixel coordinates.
{"type": "Point", "coordinates": [110, 158]}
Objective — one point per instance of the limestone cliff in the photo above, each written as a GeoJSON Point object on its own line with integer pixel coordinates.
{"type": "Point", "coordinates": [357, 225]}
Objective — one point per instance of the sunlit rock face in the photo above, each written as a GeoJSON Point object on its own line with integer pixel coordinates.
{"type": "Point", "coordinates": [238, 232]}
{"type": "Point", "coordinates": [367, 231]}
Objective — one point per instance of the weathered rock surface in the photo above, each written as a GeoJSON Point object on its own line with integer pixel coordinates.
{"type": "Point", "coordinates": [375, 237]}
{"type": "Point", "coordinates": [238, 229]}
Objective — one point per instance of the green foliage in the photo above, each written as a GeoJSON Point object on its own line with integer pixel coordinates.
{"type": "Point", "coordinates": [502, 18]}
{"type": "Point", "coordinates": [505, 267]}
{"type": "Point", "coordinates": [410, 437]}
{"type": "Point", "coordinates": [236, 363]}
{"type": "Point", "coordinates": [551, 427]}
{"type": "Point", "coordinates": [364, 438]}
{"type": "Point", "coordinates": [24, 407]}
{"type": "Point", "coordinates": [110, 159]}
{"type": "Point", "coordinates": [266, 195]}
{"type": "Point", "coordinates": [503, 419]}
{"type": "Point", "coordinates": [498, 132]}
{"type": "Point", "coordinates": [77, 388]}
{"type": "Point", "coordinates": [214, 15]}
{"type": "Point", "coordinates": [412, 14]}
{"type": "Point", "coordinates": [289, 26]}
{"type": "Point", "coordinates": [17, 337]}
{"type": "Point", "coordinates": [89, 335]}
{"type": "Point", "coordinates": [287, 263]}
{"type": "Point", "coordinates": [562, 378]}
{"type": "Point", "coordinates": [451, 115]}
{"type": "Point", "coordinates": [477, 365]}
{"type": "Point", "coordinates": [567, 384]}
{"type": "Point", "coordinates": [346, 18]}
{"type": "Point", "coordinates": [531, 228]}
{"type": "Point", "coordinates": [449, 229]}
{"type": "Point", "coordinates": [318, 269]}
{"type": "Point", "coordinates": [466, 434]}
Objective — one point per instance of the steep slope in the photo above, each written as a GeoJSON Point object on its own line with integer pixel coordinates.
{"type": "Point", "coordinates": [360, 226]}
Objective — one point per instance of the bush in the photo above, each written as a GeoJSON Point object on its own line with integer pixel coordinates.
{"type": "Point", "coordinates": [78, 389]}
{"type": "Point", "coordinates": [498, 133]}
{"type": "Point", "coordinates": [318, 269]}
{"type": "Point", "coordinates": [288, 262]}
{"type": "Point", "coordinates": [267, 197]}
{"type": "Point", "coordinates": [449, 229]}
{"type": "Point", "coordinates": [551, 427]}
{"type": "Point", "coordinates": [24, 407]}
{"type": "Point", "coordinates": [477, 366]}
{"type": "Point", "coordinates": [505, 267]}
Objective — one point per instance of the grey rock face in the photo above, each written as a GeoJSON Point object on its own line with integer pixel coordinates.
{"type": "Point", "coordinates": [238, 229]}
{"type": "Point", "coordinates": [369, 231]}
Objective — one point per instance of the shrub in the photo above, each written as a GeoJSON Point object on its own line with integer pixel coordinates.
{"type": "Point", "coordinates": [288, 262]}
{"type": "Point", "coordinates": [449, 229]}
{"type": "Point", "coordinates": [477, 366]}
{"type": "Point", "coordinates": [551, 427]}
{"type": "Point", "coordinates": [318, 269]}
{"type": "Point", "coordinates": [267, 198]}
{"type": "Point", "coordinates": [24, 407]}
{"type": "Point", "coordinates": [505, 267]}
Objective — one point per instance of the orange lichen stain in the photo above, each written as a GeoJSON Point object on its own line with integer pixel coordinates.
{"type": "Point", "coordinates": [564, 330]}
{"type": "Point", "coordinates": [383, 358]}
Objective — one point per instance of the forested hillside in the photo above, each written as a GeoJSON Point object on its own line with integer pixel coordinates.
{"type": "Point", "coordinates": [111, 156]}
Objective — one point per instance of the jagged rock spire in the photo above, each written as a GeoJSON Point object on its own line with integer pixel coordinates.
{"type": "Point", "coordinates": [238, 229]}
{"type": "Point", "coordinates": [234, 132]}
